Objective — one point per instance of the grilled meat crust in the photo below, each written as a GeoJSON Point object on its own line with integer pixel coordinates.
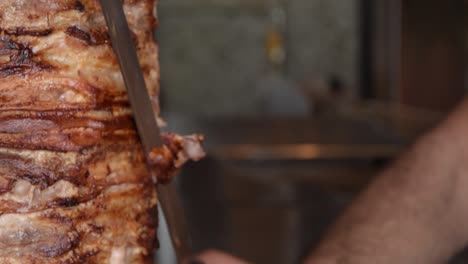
{"type": "Point", "coordinates": [74, 187]}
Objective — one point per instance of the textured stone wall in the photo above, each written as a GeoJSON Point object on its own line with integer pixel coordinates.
{"type": "Point", "coordinates": [324, 39]}
{"type": "Point", "coordinates": [212, 50]}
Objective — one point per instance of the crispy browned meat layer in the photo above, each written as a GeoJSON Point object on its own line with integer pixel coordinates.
{"type": "Point", "coordinates": [74, 187]}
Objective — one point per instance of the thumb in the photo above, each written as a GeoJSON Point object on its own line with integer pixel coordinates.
{"type": "Point", "coordinates": [216, 257]}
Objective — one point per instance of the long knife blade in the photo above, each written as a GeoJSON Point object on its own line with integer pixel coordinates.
{"type": "Point", "coordinates": [145, 119]}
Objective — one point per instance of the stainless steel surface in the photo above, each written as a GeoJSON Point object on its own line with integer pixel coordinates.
{"type": "Point", "coordinates": [145, 119]}
{"type": "Point", "coordinates": [124, 48]}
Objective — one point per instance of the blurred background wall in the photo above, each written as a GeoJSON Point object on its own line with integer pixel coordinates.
{"type": "Point", "coordinates": [360, 80]}
{"type": "Point", "coordinates": [416, 52]}
{"type": "Point", "coordinates": [213, 51]}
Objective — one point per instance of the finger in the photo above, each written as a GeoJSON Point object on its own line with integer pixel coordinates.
{"type": "Point", "coordinates": [217, 257]}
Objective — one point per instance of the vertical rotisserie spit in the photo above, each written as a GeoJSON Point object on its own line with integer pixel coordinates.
{"type": "Point", "coordinates": [74, 187]}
